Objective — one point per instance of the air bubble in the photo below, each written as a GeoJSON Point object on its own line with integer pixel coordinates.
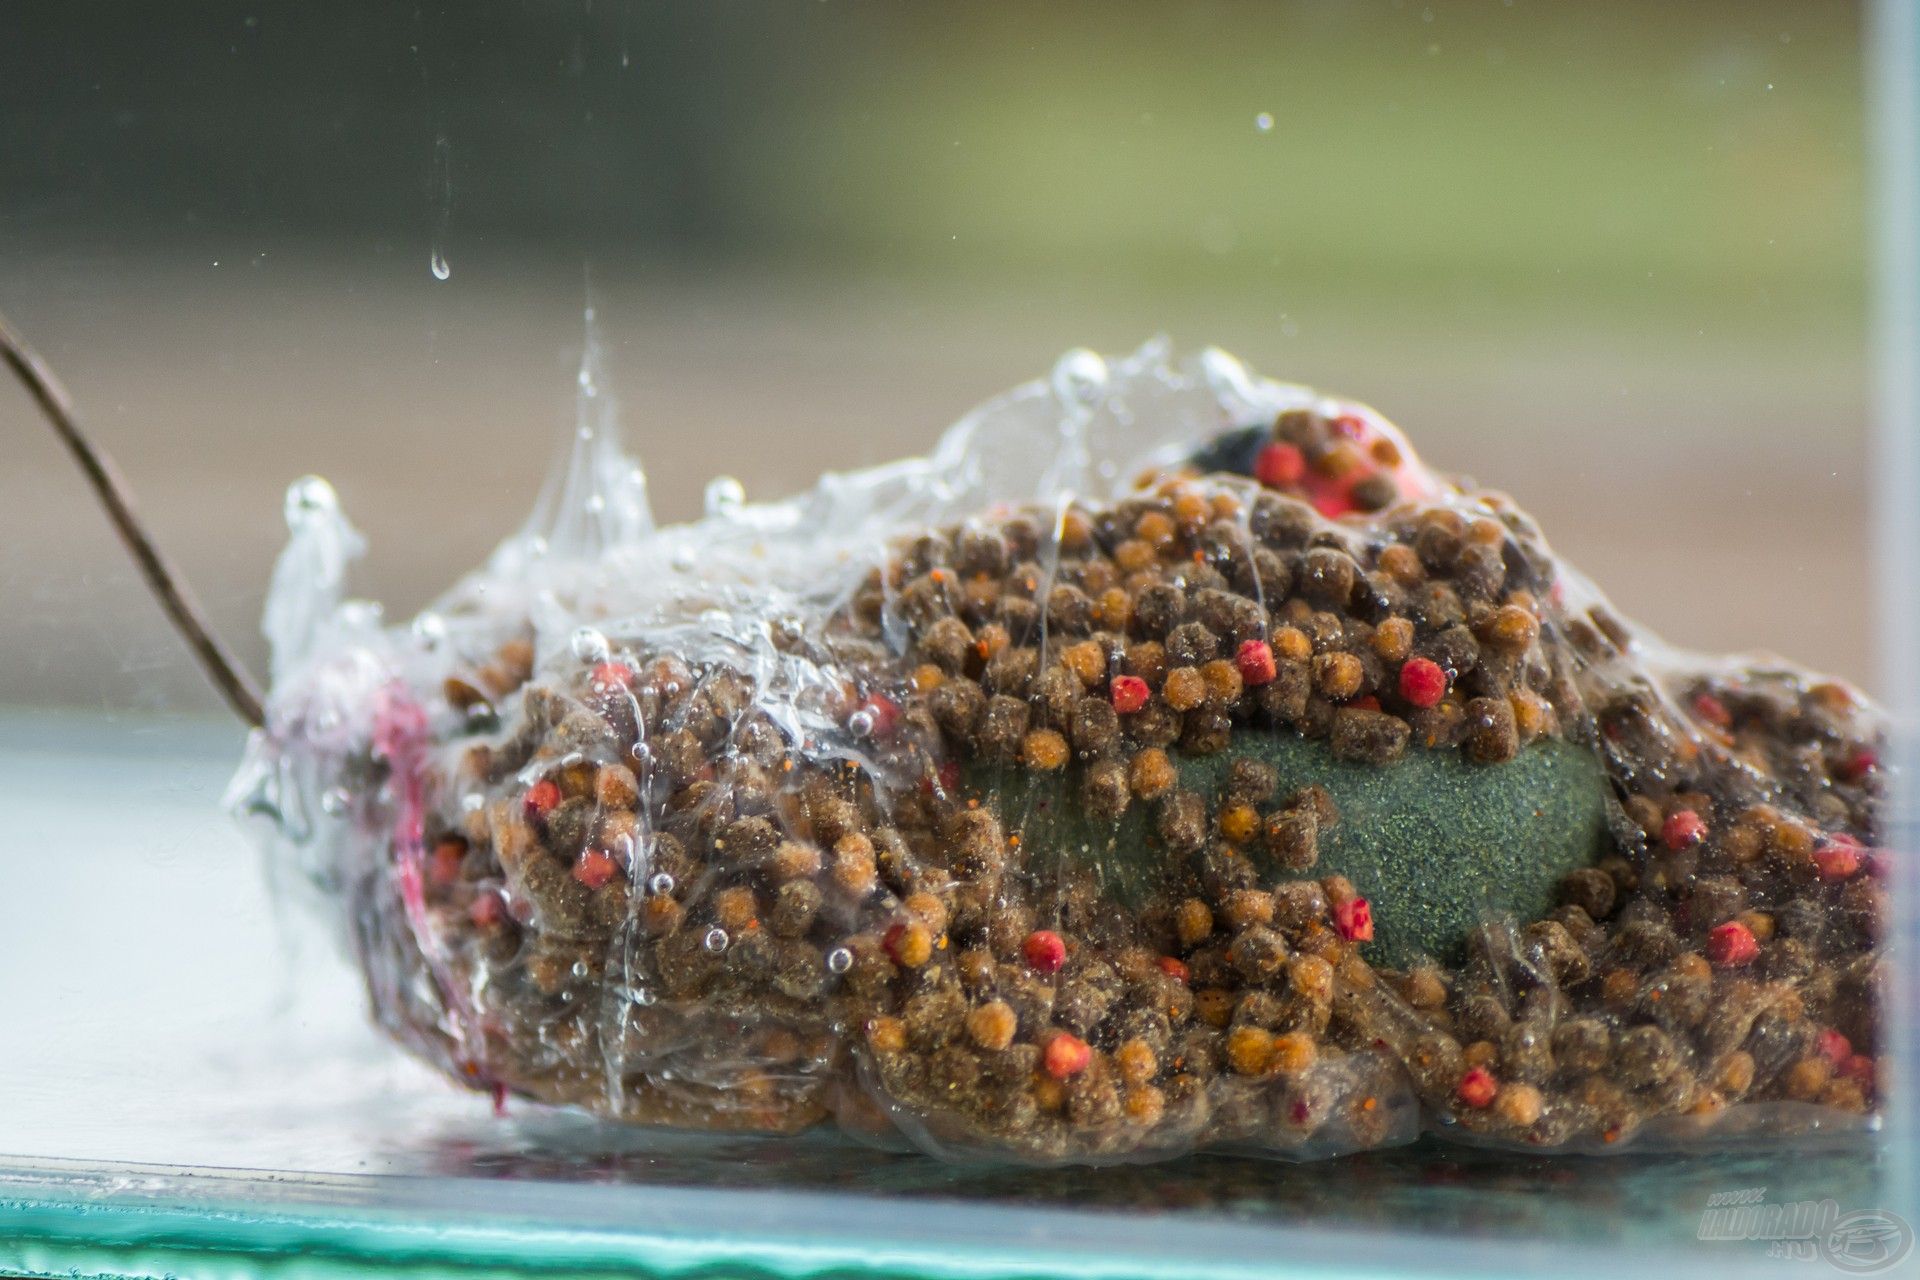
{"type": "Point", "coordinates": [724, 498]}
{"type": "Point", "coordinates": [643, 996]}
{"type": "Point", "coordinates": [716, 940]}
{"type": "Point", "coordinates": [589, 645]}
{"type": "Point", "coordinates": [839, 960]}
{"type": "Point", "coordinates": [861, 723]}
{"type": "Point", "coordinates": [661, 885]}
{"type": "Point", "coordinates": [580, 969]}
{"type": "Point", "coordinates": [334, 800]}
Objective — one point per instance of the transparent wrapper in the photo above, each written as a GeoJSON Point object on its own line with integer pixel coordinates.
{"type": "Point", "coordinates": [1170, 761]}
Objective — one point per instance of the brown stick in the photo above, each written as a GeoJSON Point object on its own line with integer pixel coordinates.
{"type": "Point", "coordinates": [228, 676]}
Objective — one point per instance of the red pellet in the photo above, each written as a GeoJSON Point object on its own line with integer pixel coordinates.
{"type": "Point", "coordinates": [1130, 693]}
{"type": "Point", "coordinates": [445, 867]}
{"type": "Point", "coordinates": [1423, 682]}
{"type": "Point", "coordinates": [882, 714]}
{"type": "Point", "coordinates": [1354, 919]}
{"type": "Point", "coordinates": [1477, 1088]}
{"type": "Point", "coordinates": [1255, 660]}
{"type": "Point", "coordinates": [1711, 710]}
{"type": "Point", "coordinates": [1045, 951]}
{"type": "Point", "coordinates": [487, 911]}
{"type": "Point", "coordinates": [608, 676]}
{"type": "Point", "coordinates": [1838, 858]}
{"type": "Point", "coordinates": [1732, 945]}
{"type": "Point", "coordinates": [1173, 967]}
{"type": "Point", "coordinates": [542, 796]}
{"type": "Point", "coordinates": [1859, 764]}
{"type": "Point", "coordinates": [1683, 830]}
{"type": "Point", "coordinates": [594, 869]}
{"type": "Point", "coordinates": [1834, 1047]}
{"type": "Point", "coordinates": [1279, 464]}
{"type": "Point", "coordinates": [1066, 1056]}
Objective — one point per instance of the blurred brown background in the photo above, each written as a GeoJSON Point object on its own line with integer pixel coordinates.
{"type": "Point", "coordinates": [1606, 256]}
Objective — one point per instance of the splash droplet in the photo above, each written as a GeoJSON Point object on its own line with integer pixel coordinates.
{"type": "Point", "coordinates": [1080, 378]}
{"type": "Point", "coordinates": [725, 496]}
{"type": "Point", "coordinates": [589, 645]}
{"type": "Point", "coordinates": [308, 499]}
{"type": "Point", "coordinates": [1264, 122]}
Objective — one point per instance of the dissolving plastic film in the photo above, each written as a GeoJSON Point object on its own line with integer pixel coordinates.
{"type": "Point", "coordinates": [1171, 761]}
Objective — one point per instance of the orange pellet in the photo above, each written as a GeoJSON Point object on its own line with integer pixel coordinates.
{"type": "Point", "coordinates": [1511, 627]}
{"type": "Point", "coordinates": [1114, 609]}
{"type": "Point", "coordinates": [1224, 682]}
{"type": "Point", "coordinates": [991, 1026]}
{"type": "Point", "coordinates": [886, 1035]}
{"type": "Point", "coordinates": [1136, 1061]}
{"type": "Point", "coordinates": [1145, 1104]}
{"type": "Point", "coordinates": [1133, 555]}
{"type": "Point", "coordinates": [1043, 749]}
{"type": "Point", "coordinates": [927, 677]}
{"type": "Point", "coordinates": [1292, 644]}
{"type": "Point", "coordinates": [1532, 714]}
{"type": "Point", "coordinates": [1213, 1006]}
{"type": "Point", "coordinates": [1245, 908]}
{"type": "Point", "coordinates": [1292, 1053]}
{"type": "Point", "coordinates": [792, 860]}
{"type": "Point", "coordinates": [1517, 1105]}
{"type": "Point", "coordinates": [1191, 509]}
{"type": "Point", "coordinates": [1086, 660]}
{"type": "Point", "coordinates": [1338, 676]}
{"type": "Point", "coordinates": [1807, 1077]}
{"type": "Point", "coordinates": [1151, 774]}
{"type": "Point", "coordinates": [1185, 688]}
{"type": "Point", "coordinates": [1734, 1075]}
{"type": "Point", "coordinates": [734, 909]}
{"type": "Point", "coordinates": [1393, 640]}
{"type": "Point", "coordinates": [1310, 977]}
{"type": "Point", "coordinates": [1192, 922]}
{"type": "Point", "coordinates": [1486, 531]}
{"type": "Point", "coordinates": [1239, 823]}
{"type": "Point", "coordinates": [853, 866]}
{"type": "Point", "coordinates": [908, 945]}
{"type": "Point", "coordinates": [1402, 563]}
{"type": "Point", "coordinates": [928, 909]}
{"type": "Point", "coordinates": [1156, 529]}
{"type": "Point", "coordinates": [1249, 1049]}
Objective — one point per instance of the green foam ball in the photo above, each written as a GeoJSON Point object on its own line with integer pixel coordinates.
{"type": "Point", "coordinates": [1436, 844]}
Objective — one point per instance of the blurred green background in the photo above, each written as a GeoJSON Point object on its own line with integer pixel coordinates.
{"type": "Point", "coordinates": [1608, 256]}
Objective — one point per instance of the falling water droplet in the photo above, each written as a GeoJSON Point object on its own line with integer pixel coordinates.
{"type": "Point", "coordinates": [725, 496]}
{"type": "Point", "coordinates": [1264, 122]}
{"type": "Point", "coordinates": [839, 960]}
{"type": "Point", "coordinates": [589, 645]}
{"type": "Point", "coordinates": [440, 181]}
{"type": "Point", "coordinates": [683, 560]}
